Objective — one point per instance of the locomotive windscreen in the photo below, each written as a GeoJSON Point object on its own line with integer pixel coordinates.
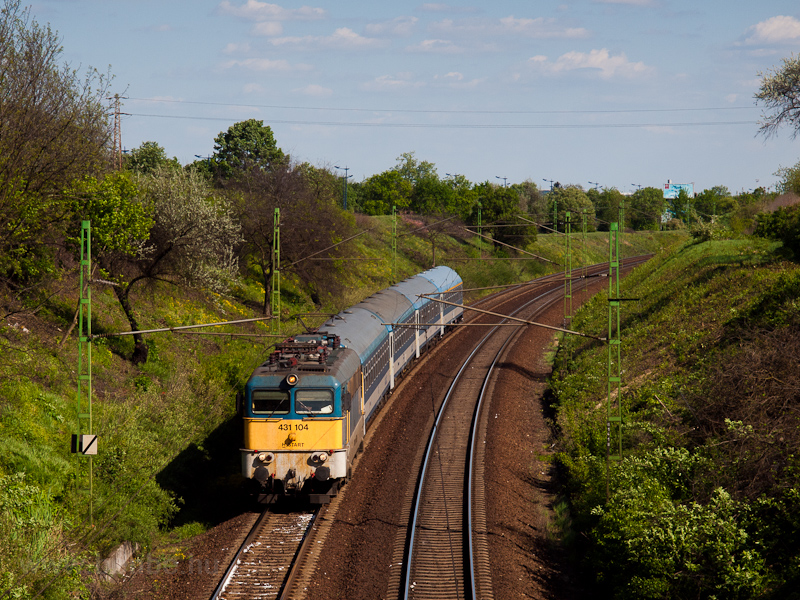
{"type": "Point", "coordinates": [313, 402]}
{"type": "Point", "coordinates": [270, 402]}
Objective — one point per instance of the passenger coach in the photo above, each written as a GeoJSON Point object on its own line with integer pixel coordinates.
{"type": "Point", "coordinates": [307, 408]}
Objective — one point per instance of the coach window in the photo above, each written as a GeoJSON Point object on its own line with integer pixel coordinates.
{"type": "Point", "coordinates": [313, 402]}
{"type": "Point", "coordinates": [270, 402]}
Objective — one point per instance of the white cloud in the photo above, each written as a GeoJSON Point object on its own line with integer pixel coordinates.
{"type": "Point", "coordinates": [268, 28]}
{"type": "Point", "coordinates": [342, 39]}
{"type": "Point", "coordinates": [455, 80]}
{"type": "Point", "coordinates": [384, 83]}
{"type": "Point", "coordinates": [596, 60]}
{"type": "Point", "coordinates": [264, 11]}
{"type": "Point", "coordinates": [436, 47]}
{"type": "Point", "coordinates": [315, 90]}
{"type": "Point", "coordinates": [233, 48]}
{"type": "Point", "coordinates": [400, 26]}
{"type": "Point", "coordinates": [539, 27]}
{"type": "Point", "coordinates": [774, 31]}
{"type": "Point", "coordinates": [265, 64]}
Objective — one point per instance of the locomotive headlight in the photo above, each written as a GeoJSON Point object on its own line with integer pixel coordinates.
{"type": "Point", "coordinates": [323, 456]}
{"type": "Point", "coordinates": [291, 379]}
{"type": "Point", "coordinates": [265, 457]}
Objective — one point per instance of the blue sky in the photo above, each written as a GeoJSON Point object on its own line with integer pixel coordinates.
{"type": "Point", "coordinates": [618, 92]}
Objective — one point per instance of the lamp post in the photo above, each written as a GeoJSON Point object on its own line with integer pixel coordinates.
{"type": "Point", "coordinates": [550, 181]}
{"type": "Point", "coordinates": [594, 183]}
{"type": "Point", "coordinates": [505, 180]}
{"type": "Point", "coordinates": [346, 177]}
{"type": "Point", "coordinates": [638, 187]}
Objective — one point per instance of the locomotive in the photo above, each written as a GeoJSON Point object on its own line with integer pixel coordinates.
{"type": "Point", "coordinates": [306, 409]}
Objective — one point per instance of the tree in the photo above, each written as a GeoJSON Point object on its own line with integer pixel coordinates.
{"type": "Point", "coordinates": [500, 207]}
{"type": "Point", "coordinates": [148, 157]}
{"type": "Point", "coordinates": [189, 242]}
{"type": "Point", "coordinates": [646, 208]}
{"type": "Point", "coordinates": [783, 225]}
{"type": "Point", "coordinates": [246, 145]}
{"type": "Point", "coordinates": [414, 170]}
{"type": "Point", "coordinates": [120, 223]}
{"type": "Point", "coordinates": [464, 199]}
{"type": "Point", "coordinates": [572, 199]}
{"type": "Point", "coordinates": [681, 206]}
{"type": "Point", "coordinates": [432, 196]}
{"type": "Point", "coordinates": [780, 92]}
{"type": "Point", "coordinates": [531, 200]}
{"type": "Point", "coordinates": [311, 222]}
{"type": "Point", "coordinates": [53, 129]}
{"type": "Point", "coordinates": [381, 192]}
{"type": "Point", "coordinates": [714, 201]}
{"type": "Point", "coordinates": [790, 179]}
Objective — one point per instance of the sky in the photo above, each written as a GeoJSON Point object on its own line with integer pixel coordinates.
{"type": "Point", "coordinates": [597, 93]}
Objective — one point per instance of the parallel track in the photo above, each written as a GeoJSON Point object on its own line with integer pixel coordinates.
{"type": "Point", "coordinates": [446, 553]}
{"type": "Point", "coordinates": [440, 561]}
{"type": "Point", "coordinates": [449, 557]}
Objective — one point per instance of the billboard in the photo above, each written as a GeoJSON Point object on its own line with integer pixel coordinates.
{"type": "Point", "coordinates": [671, 190]}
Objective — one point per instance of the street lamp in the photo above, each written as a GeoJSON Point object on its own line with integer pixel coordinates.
{"type": "Point", "coordinates": [505, 180]}
{"type": "Point", "coordinates": [551, 183]}
{"type": "Point", "coordinates": [594, 183]}
{"type": "Point", "coordinates": [638, 187]}
{"type": "Point", "coordinates": [346, 176]}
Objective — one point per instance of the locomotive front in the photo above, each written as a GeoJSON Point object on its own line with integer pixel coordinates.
{"type": "Point", "coordinates": [296, 413]}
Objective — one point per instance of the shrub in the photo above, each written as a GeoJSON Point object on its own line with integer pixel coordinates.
{"type": "Point", "coordinates": [652, 547]}
{"type": "Point", "coordinates": [782, 225]}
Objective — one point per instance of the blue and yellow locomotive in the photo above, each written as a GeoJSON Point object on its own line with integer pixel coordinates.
{"type": "Point", "coordinates": [307, 408]}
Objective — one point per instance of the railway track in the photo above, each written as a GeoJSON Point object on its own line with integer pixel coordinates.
{"type": "Point", "coordinates": [446, 554]}
{"type": "Point", "coordinates": [267, 562]}
{"type": "Point", "coordinates": [449, 557]}
{"type": "Point", "coordinates": [441, 557]}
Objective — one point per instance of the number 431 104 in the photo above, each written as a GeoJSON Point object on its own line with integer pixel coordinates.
{"type": "Point", "coordinates": [295, 427]}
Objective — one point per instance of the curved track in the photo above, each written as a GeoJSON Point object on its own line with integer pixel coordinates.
{"type": "Point", "coordinates": [440, 559]}
{"type": "Point", "coordinates": [446, 555]}
{"type": "Point", "coordinates": [450, 556]}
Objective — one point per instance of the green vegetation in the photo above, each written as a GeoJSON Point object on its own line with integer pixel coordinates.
{"type": "Point", "coordinates": [166, 466]}
{"type": "Point", "coordinates": [704, 502]}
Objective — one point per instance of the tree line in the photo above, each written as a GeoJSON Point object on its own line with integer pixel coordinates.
{"type": "Point", "coordinates": [210, 222]}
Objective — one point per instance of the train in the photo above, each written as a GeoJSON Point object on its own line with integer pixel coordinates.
{"type": "Point", "coordinates": [306, 409]}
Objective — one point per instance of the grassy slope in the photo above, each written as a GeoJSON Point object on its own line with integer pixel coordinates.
{"type": "Point", "coordinates": [702, 504]}
{"type": "Point", "coordinates": [167, 466]}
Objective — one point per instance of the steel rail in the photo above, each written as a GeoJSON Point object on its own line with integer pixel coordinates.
{"type": "Point", "coordinates": [406, 580]}
{"type": "Point", "coordinates": [471, 462]}
{"type": "Point", "coordinates": [239, 568]}
{"type": "Point", "coordinates": [234, 563]}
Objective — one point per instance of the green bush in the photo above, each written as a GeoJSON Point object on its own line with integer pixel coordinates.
{"type": "Point", "coordinates": [649, 546]}
{"type": "Point", "coordinates": [782, 225]}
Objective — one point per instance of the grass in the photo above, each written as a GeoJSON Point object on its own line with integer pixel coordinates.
{"type": "Point", "coordinates": [167, 466]}
{"type": "Point", "coordinates": [695, 429]}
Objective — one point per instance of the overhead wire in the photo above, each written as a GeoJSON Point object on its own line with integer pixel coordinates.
{"type": "Point", "coordinates": [447, 111]}
{"type": "Point", "coordinates": [422, 111]}
{"type": "Point", "coordinates": [459, 125]}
